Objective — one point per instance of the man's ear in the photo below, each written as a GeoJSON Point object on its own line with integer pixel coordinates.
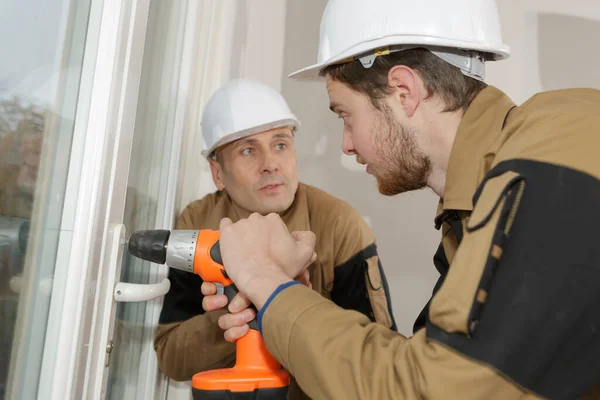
{"type": "Point", "coordinates": [217, 174]}
{"type": "Point", "coordinates": [406, 86]}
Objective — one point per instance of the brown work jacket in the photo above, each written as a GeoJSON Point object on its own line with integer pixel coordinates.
{"type": "Point", "coordinates": [347, 271]}
{"type": "Point", "coordinates": [516, 313]}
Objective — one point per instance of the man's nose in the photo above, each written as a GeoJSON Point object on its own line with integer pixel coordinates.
{"type": "Point", "coordinates": [269, 163]}
{"type": "Point", "coordinates": [347, 145]}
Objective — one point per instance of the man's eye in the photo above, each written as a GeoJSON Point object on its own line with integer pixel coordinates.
{"type": "Point", "coordinates": [281, 146]}
{"type": "Point", "coordinates": [247, 151]}
{"type": "Point", "coordinates": [344, 117]}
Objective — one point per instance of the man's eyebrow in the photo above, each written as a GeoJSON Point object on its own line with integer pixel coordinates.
{"type": "Point", "coordinates": [243, 142]}
{"type": "Point", "coordinates": [282, 135]}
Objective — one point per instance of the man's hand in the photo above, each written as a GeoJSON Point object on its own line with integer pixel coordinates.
{"type": "Point", "coordinates": [260, 254]}
{"type": "Point", "coordinates": [235, 324]}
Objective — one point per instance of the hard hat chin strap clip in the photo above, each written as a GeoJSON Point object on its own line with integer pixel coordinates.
{"type": "Point", "coordinates": [470, 63]}
{"type": "Point", "coordinates": [367, 61]}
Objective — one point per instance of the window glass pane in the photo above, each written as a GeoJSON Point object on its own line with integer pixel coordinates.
{"type": "Point", "coordinates": [147, 186]}
{"type": "Point", "coordinates": [43, 45]}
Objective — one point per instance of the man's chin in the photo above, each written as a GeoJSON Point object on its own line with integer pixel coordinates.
{"type": "Point", "coordinates": [384, 190]}
{"type": "Point", "coordinates": [392, 188]}
{"type": "Point", "coordinates": [277, 206]}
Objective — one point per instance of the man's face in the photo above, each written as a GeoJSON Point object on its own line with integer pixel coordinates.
{"type": "Point", "coordinates": [259, 172]}
{"type": "Point", "coordinates": [378, 139]}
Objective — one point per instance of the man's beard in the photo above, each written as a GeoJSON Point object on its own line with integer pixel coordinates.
{"type": "Point", "coordinates": [403, 166]}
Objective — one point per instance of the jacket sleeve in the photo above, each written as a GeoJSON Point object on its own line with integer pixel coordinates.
{"type": "Point", "coordinates": [359, 281]}
{"type": "Point", "coordinates": [516, 317]}
{"type": "Point", "coordinates": [188, 340]}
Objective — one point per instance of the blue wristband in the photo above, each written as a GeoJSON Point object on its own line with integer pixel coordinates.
{"type": "Point", "coordinates": [279, 289]}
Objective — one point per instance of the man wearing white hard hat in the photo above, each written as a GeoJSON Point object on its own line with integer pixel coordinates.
{"type": "Point", "coordinates": [249, 134]}
{"type": "Point", "coordinates": [515, 313]}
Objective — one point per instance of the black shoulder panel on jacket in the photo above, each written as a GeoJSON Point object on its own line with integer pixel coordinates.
{"type": "Point", "coordinates": [350, 283]}
{"type": "Point", "coordinates": [540, 323]}
{"type": "Point", "coordinates": [184, 299]}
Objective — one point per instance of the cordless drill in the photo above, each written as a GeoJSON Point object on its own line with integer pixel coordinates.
{"type": "Point", "coordinates": [256, 374]}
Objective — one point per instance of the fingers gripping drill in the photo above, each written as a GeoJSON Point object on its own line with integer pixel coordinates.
{"type": "Point", "coordinates": [256, 374]}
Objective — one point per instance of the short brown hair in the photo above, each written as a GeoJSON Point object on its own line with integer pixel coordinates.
{"type": "Point", "coordinates": [441, 78]}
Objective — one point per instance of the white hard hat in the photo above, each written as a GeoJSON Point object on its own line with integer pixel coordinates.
{"type": "Point", "coordinates": [242, 108]}
{"type": "Point", "coordinates": [358, 28]}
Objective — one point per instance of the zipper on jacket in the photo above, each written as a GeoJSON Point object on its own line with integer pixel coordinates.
{"type": "Point", "coordinates": [513, 208]}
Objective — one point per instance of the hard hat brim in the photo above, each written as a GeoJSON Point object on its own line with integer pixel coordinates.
{"type": "Point", "coordinates": [497, 51]}
{"type": "Point", "coordinates": [232, 137]}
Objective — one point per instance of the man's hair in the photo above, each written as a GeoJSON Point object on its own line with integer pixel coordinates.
{"type": "Point", "coordinates": [454, 88]}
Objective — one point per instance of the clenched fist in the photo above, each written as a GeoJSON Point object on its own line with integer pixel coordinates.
{"type": "Point", "coordinates": [259, 254]}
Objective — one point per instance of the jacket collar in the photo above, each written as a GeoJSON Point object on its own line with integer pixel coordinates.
{"type": "Point", "coordinates": [472, 152]}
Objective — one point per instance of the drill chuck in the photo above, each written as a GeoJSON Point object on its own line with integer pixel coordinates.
{"type": "Point", "coordinates": [174, 248]}
{"type": "Point", "coordinates": [149, 245]}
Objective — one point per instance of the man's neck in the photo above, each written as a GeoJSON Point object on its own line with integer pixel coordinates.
{"type": "Point", "coordinates": [444, 131]}
{"type": "Point", "coordinates": [238, 211]}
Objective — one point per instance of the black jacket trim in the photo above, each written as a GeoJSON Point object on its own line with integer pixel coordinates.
{"type": "Point", "coordinates": [541, 325]}
{"type": "Point", "coordinates": [350, 284]}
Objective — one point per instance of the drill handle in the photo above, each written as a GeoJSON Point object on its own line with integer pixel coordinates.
{"type": "Point", "coordinates": [231, 291]}
{"type": "Point", "coordinates": [208, 264]}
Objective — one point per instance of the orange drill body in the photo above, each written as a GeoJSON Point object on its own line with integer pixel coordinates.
{"type": "Point", "coordinates": [255, 368]}
{"type": "Point", "coordinates": [256, 373]}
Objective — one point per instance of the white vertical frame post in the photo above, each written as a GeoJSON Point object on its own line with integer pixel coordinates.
{"type": "Point", "coordinates": [152, 384]}
{"type": "Point", "coordinates": [121, 118]}
{"type": "Point", "coordinates": [99, 207]}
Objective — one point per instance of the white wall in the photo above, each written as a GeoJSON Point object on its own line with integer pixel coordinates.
{"type": "Point", "coordinates": [554, 45]}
